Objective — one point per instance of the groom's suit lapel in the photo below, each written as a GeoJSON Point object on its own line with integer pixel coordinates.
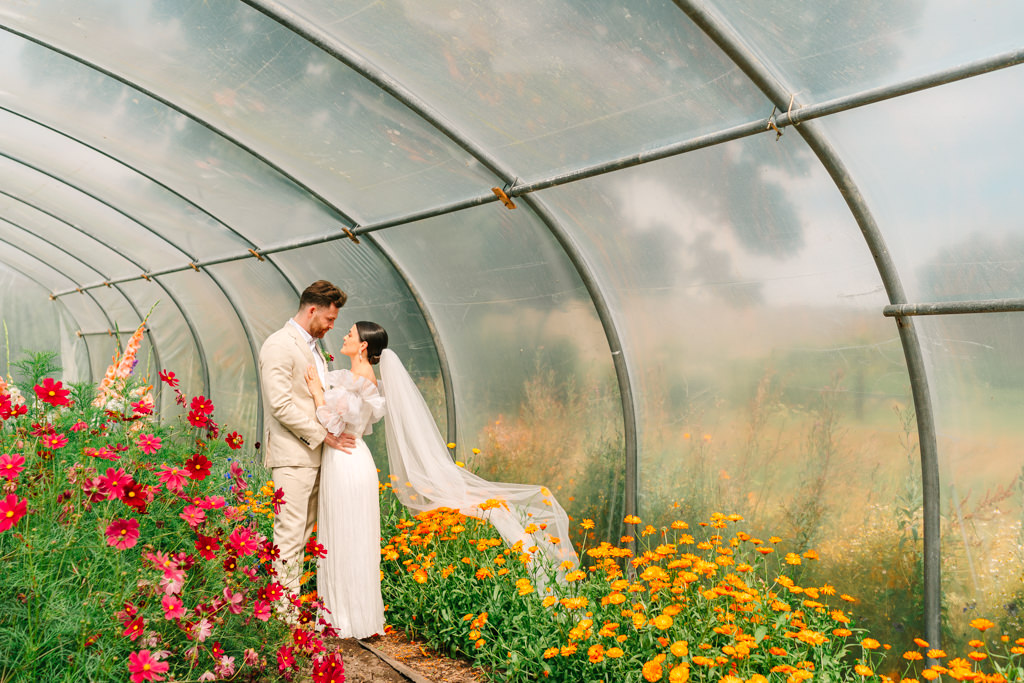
{"type": "Point", "coordinates": [301, 343]}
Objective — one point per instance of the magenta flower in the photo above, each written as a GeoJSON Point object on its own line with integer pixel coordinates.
{"type": "Point", "coordinates": [261, 610]}
{"type": "Point", "coordinates": [173, 607]}
{"type": "Point", "coordinates": [53, 392]}
{"type": "Point", "coordinates": [54, 441]}
{"type": "Point", "coordinates": [11, 510]}
{"type": "Point", "coordinates": [11, 465]}
{"type": "Point", "coordinates": [144, 666]}
{"type": "Point", "coordinates": [225, 667]}
{"type": "Point", "coordinates": [123, 533]}
{"type": "Point", "coordinates": [143, 406]}
{"type": "Point", "coordinates": [102, 452]}
{"type": "Point", "coordinates": [114, 482]}
{"type": "Point", "coordinates": [242, 541]}
{"type": "Point", "coordinates": [210, 502]}
{"type": "Point", "coordinates": [173, 580]}
{"type": "Point", "coordinates": [193, 515]}
{"type": "Point", "coordinates": [134, 628]}
{"type": "Point", "coordinates": [79, 426]}
{"type": "Point", "coordinates": [148, 443]}
{"type": "Point", "coordinates": [173, 477]}
{"type": "Point", "coordinates": [202, 629]}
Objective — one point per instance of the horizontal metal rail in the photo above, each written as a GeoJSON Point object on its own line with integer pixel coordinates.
{"type": "Point", "coordinates": [954, 307]}
{"type": "Point", "coordinates": [775, 121]}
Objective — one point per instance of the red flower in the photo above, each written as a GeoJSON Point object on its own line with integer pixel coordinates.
{"type": "Point", "coordinates": [134, 628]}
{"type": "Point", "coordinates": [268, 551]}
{"type": "Point", "coordinates": [134, 496]}
{"type": "Point", "coordinates": [197, 419]}
{"type": "Point", "coordinates": [231, 563]}
{"type": "Point", "coordinates": [272, 591]}
{"type": "Point", "coordinates": [234, 439]}
{"type": "Point", "coordinates": [330, 669]}
{"type": "Point", "coordinates": [11, 466]}
{"type": "Point", "coordinates": [285, 659]}
{"type": "Point", "coordinates": [207, 546]}
{"type": "Point", "coordinates": [242, 541]}
{"type": "Point", "coordinates": [11, 510]}
{"type": "Point", "coordinates": [168, 377]}
{"type": "Point", "coordinates": [123, 533]}
{"type": "Point", "coordinates": [315, 549]}
{"type": "Point", "coordinates": [201, 404]}
{"type": "Point", "coordinates": [198, 466]}
{"type": "Point", "coordinates": [53, 392]}
{"type": "Point", "coordinates": [143, 407]}
{"type": "Point", "coordinates": [144, 666]}
{"type": "Point", "coordinates": [55, 440]}
{"type": "Point", "coordinates": [278, 501]}
{"type": "Point", "coordinates": [114, 482]}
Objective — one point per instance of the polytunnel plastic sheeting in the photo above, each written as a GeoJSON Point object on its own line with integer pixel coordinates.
{"type": "Point", "coordinates": [976, 371]}
{"type": "Point", "coordinates": [234, 67]}
{"type": "Point", "coordinates": [943, 182]}
{"type": "Point", "coordinates": [527, 353]}
{"type": "Point", "coordinates": [202, 167]}
{"type": "Point", "coordinates": [549, 85]}
{"type": "Point", "coordinates": [828, 49]}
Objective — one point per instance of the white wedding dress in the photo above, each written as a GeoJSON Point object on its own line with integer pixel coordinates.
{"type": "Point", "coordinates": [348, 579]}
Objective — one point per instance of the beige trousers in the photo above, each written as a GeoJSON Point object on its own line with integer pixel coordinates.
{"type": "Point", "coordinates": [296, 521]}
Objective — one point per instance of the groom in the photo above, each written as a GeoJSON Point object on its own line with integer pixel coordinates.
{"type": "Point", "coordinates": [293, 437]}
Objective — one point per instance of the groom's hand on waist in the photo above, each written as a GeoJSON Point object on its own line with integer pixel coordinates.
{"type": "Point", "coordinates": [344, 442]}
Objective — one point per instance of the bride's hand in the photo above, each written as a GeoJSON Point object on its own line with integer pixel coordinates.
{"type": "Point", "coordinates": [313, 382]}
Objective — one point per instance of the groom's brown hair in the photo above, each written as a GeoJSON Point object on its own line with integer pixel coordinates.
{"type": "Point", "coordinates": [322, 294]}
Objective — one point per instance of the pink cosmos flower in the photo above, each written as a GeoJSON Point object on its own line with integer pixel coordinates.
{"type": "Point", "coordinates": [11, 510]}
{"type": "Point", "coordinates": [202, 629]}
{"type": "Point", "coordinates": [225, 667]}
{"type": "Point", "coordinates": [173, 607]}
{"type": "Point", "coordinates": [250, 657]}
{"type": "Point", "coordinates": [242, 541]}
{"type": "Point", "coordinates": [172, 581]}
{"type": "Point", "coordinates": [210, 502]}
{"type": "Point", "coordinates": [261, 610]}
{"type": "Point", "coordinates": [11, 465]}
{"type": "Point", "coordinates": [173, 477]}
{"type": "Point", "coordinates": [235, 601]}
{"type": "Point", "coordinates": [79, 426]}
{"type": "Point", "coordinates": [103, 452]}
{"type": "Point", "coordinates": [114, 482]}
{"type": "Point", "coordinates": [193, 515]}
{"type": "Point", "coordinates": [148, 443]}
{"type": "Point", "coordinates": [123, 533]}
{"type": "Point", "coordinates": [54, 441]}
{"type": "Point", "coordinates": [143, 406]}
{"type": "Point", "coordinates": [144, 666]}
{"type": "Point", "coordinates": [53, 392]}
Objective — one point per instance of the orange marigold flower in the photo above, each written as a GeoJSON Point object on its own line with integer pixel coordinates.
{"type": "Point", "coordinates": [587, 524]}
{"type": "Point", "coordinates": [662, 622]}
{"type": "Point", "coordinates": [631, 519]}
{"type": "Point", "coordinates": [764, 550]}
{"type": "Point", "coordinates": [870, 644]}
{"type": "Point", "coordinates": [921, 642]}
{"type": "Point", "coordinates": [811, 554]}
{"type": "Point", "coordinates": [977, 656]}
{"type": "Point", "coordinates": [550, 652]}
{"type": "Point", "coordinates": [652, 671]}
{"type": "Point", "coordinates": [793, 558]}
{"type": "Point", "coordinates": [842, 632]}
{"type": "Point", "coordinates": [549, 601]}
{"type": "Point", "coordinates": [614, 652]}
{"type": "Point", "coordinates": [680, 648]}
{"type": "Point", "coordinates": [862, 670]}
{"type": "Point", "coordinates": [827, 589]}
{"type": "Point", "coordinates": [847, 598]}
{"type": "Point", "coordinates": [596, 653]}
{"type": "Point", "coordinates": [976, 643]}
{"type": "Point", "coordinates": [936, 654]}
{"type": "Point", "coordinates": [679, 674]}
{"type": "Point", "coordinates": [982, 624]}
{"type": "Point", "coordinates": [913, 656]}
{"type": "Point", "coordinates": [420, 576]}
{"type": "Point", "coordinates": [929, 675]}
{"type": "Point", "coordinates": [568, 650]}
{"type": "Point", "coordinates": [701, 660]}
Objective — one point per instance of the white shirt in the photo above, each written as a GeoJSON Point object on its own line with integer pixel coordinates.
{"type": "Point", "coordinates": [318, 358]}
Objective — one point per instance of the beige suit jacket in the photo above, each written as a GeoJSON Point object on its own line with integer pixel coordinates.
{"type": "Point", "coordinates": [293, 437]}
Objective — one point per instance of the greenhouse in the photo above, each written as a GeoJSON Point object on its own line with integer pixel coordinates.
{"type": "Point", "coordinates": [672, 260]}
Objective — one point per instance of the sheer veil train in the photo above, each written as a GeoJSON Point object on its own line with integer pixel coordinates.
{"type": "Point", "coordinates": [425, 477]}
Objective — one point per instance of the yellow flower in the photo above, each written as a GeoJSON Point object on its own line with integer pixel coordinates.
{"type": "Point", "coordinates": [576, 575]}
{"type": "Point", "coordinates": [549, 601]}
{"type": "Point", "coordinates": [587, 524]}
{"type": "Point", "coordinates": [476, 451]}
{"type": "Point", "coordinates": [792, 558]}
{"type": "Point", "coordinates": [912, 656]}
{"type": "Point", "coordinates": [936, 654]}
{"type": "Point", "coordinates": [631, 519]}
{"type": "Point", "coordinates": [870, 644]}
{"type": "Point", "coordinates": [862, 670]}
{"type": "Point", "coordinates": [451, 444]}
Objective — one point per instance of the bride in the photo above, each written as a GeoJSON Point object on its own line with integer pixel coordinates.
{"type": "Point", "coordinates": [423, 476]}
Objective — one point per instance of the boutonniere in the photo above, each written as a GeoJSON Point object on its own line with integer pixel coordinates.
{"type": "Point", "coordinates": [327, 357]}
